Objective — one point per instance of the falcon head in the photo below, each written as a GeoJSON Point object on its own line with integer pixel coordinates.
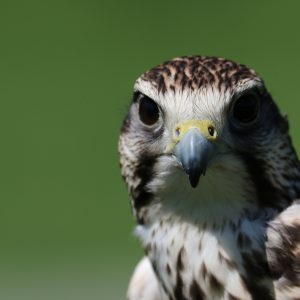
{"type": "Point", "coordinates": [204, 138]}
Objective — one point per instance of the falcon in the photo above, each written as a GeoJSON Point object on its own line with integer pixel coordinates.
{"type": "Point", "coordinates": [214, 181]}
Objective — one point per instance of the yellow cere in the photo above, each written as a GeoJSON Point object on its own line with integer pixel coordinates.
{"type": "Point", "coordinates": [206, 127]}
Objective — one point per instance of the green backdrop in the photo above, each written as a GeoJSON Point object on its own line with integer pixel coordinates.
{"type": "Point", "coordinates": [66, 75]}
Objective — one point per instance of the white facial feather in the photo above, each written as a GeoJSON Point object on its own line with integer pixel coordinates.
{"type": "Point", "coordinates": [208, 102]}
{"type": "Point", "coordinates": [221, 193]}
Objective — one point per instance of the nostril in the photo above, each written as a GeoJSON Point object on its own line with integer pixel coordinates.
{"type": "Point", "coordinates": [211, 130]}
{"type": "Point", "coordinates": [177, 131]}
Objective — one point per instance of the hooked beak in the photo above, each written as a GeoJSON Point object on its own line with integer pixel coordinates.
{"type": "Point", "coordinates": [195, 147]}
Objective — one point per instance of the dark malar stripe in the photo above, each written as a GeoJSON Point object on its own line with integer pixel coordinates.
{"type": "Point", "coordinates": [143, 172]}
{"type": "Point", "coordinates": [267, 194]}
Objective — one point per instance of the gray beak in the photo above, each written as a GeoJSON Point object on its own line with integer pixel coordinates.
{"type": "Point", "coordinates": [194, 152]}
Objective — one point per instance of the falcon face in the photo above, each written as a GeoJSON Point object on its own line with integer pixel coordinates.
{"type": "Point", "coordinates": [208, 162]}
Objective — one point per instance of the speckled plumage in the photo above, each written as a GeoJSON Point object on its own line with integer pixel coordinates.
{"type": "Point", "coordinates": [235, 236]}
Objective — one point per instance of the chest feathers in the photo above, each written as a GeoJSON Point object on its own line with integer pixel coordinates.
{"type": "Point", "coordinates": [198, 261]}
{"type": "Point", "coordinates": [207, 243]}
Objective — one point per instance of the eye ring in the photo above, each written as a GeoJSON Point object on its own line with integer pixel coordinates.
{"type": "Point", "coordinates": [245, 110]}
{"type": "Point", "coordinates": [149, 112]}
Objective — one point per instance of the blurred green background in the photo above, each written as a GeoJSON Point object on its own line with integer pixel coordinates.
{"type": "Point", "coordinates": [66, 75]}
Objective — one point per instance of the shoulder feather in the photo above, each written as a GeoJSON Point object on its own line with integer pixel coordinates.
{"type": "Point", "coordinates": [283, 252]}
{"type": "Point", "coordinates": [144, 284]}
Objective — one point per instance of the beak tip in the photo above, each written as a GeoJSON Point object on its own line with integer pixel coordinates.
{"type": "Point", "coordinates": [194, 182]}
{"type": "Point", "coordinates": [193, 152]}
{"type": "Point", "coordinates": [194, 177]}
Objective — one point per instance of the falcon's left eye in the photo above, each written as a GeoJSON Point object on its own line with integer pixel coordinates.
{"type": "Point", "coordinates": [148, 111]}
{"type": "Point", "coordinates": [245, 109]}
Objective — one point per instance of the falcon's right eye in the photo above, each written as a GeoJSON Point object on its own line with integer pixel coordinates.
{"type": "Point", "coordinates": [148, 111]}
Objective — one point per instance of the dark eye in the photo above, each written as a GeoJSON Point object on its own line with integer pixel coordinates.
{"type": "Point", "coordinates": [245, 109]}
{"type": "Point", "coordinates": [148, 111]}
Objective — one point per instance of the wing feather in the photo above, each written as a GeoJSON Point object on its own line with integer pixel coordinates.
{"type": "Point", "coordinates": [283, 252]}
{"type": "Point", "coordinates": [144, 284]}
